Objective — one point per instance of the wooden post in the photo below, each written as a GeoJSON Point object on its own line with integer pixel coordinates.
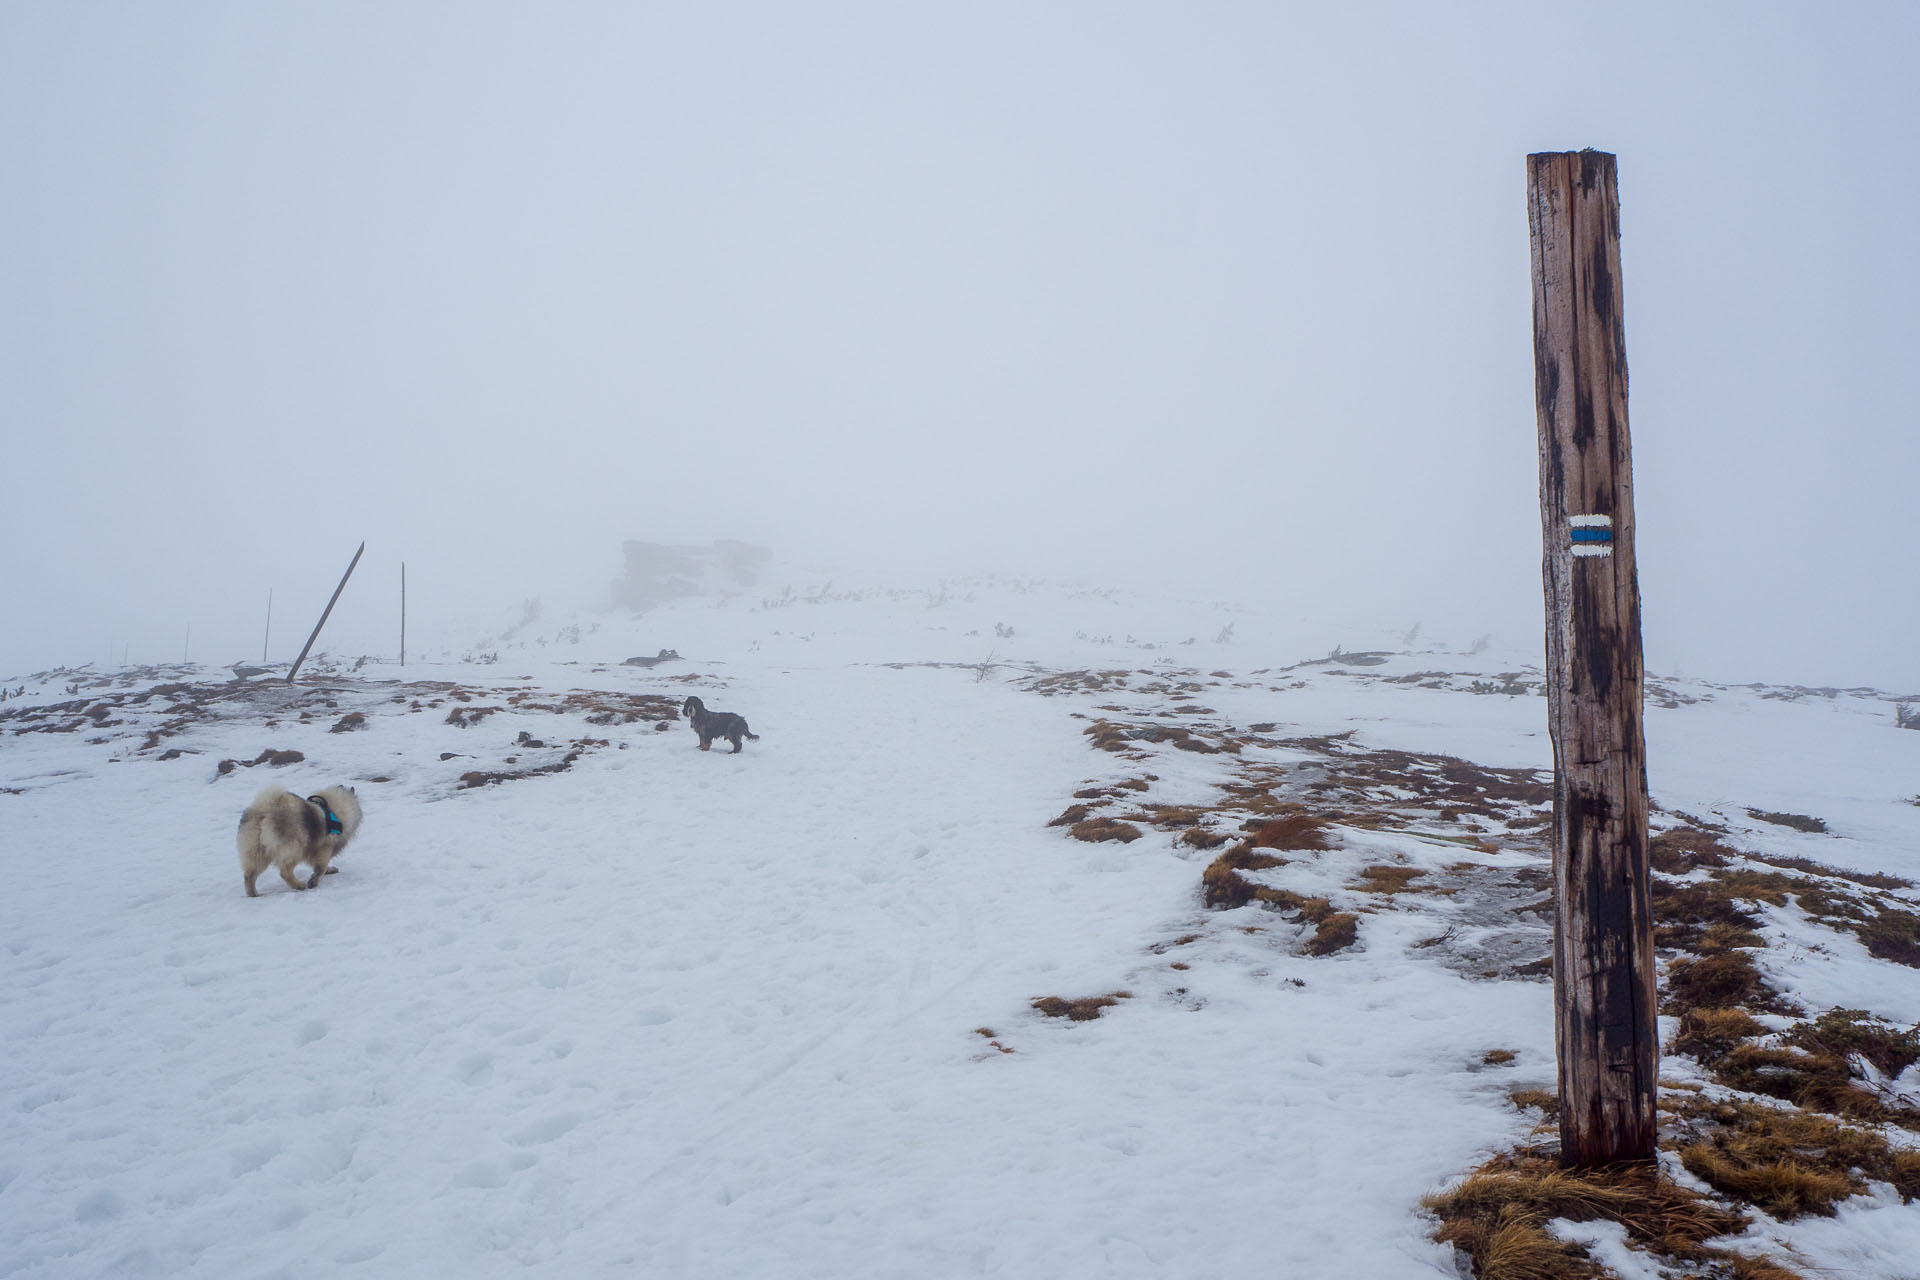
{"type": "Point", "coordinates": [1603, 959]}
{"type": "Point", "coordinates": [403, 613]}
{"type": "Point", "coordinates": [325, 614]}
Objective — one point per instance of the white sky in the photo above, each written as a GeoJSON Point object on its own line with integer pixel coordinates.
{"type": "Point", "coordinates": [1229, 295]}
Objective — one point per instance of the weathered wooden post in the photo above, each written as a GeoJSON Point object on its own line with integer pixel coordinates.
{"type": "Point", "coordinates": [1603, 961]}
{"type": "Point", "coordinates": [325, 614]}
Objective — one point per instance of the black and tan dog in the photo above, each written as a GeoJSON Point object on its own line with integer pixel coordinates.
{"type": "Point", "coordinates": [717, 724]}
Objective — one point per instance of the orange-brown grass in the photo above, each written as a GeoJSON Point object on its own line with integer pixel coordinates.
{"type": "Point", "coordinates": [1168, 816]}
{"type": "Point", "coordinates": [1221, 885]}
{"type": "Point", "coordinates": [1085, 1009]}
{"type": "Point", "coordinates": [1498, 1057]}
{"type": "Point", "coordinates": [1095, 830]}
{"type": "Point", "coordinates": [1333, 933]}
{"type": "Point", "coordinates": [1386, 879]}
{"type": "Point", "coordinates": [1203, 838]}
{"type": "Point", "coordinates": [1291, 831]}
{"type": "Point", "coordinates": [1497, 1215]}
{"type": "Point", "coordinates": [1784, 1160]}
{"type": "Point", "coordinates": [1072, 814]}
{"type": "Point", "coordinates": [349, 722]}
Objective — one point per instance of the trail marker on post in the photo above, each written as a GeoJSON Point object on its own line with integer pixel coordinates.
{"type": "Point", "coordinates": [327, 613]}
{"type": "Point", "coordinates": [1603, 958]}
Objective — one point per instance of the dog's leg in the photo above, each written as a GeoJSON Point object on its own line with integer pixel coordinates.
{"type": "Point", "coordinates": [736, 744]}
{"type": "Point", "coordinates": [319, 869]}
{"type": "Point", "coordinates": [253, 873]}
{"type": "Point", "coordinates": [286, 873]}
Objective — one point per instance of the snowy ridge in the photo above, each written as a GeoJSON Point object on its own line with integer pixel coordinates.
{"type": "Point", "coordinates": [585, 1000]}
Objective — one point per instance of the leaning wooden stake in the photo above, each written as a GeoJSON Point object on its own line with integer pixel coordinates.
{"type": "Point", "coordinates": [325, 614]}
{"type": "Point", "coordinates": [1603, 961]}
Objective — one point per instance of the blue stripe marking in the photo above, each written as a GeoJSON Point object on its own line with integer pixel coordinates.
{"type": "Point", "coordinates": [1592, 535]}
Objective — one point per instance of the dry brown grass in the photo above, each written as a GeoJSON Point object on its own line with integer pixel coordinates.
{"type": "Point", "coordinates": [1871, 879]}
{"type": "Point", "coordinates": [1840, 1032]}
{"type": "Point", "coordinates": [1719, 980]}
{"type": "Point", "coordinates": [1386, 879]}
{"type": "Point", "coordinates": [1498, 1057]}
{"type": "Point", "coordinates": [1700, 915]}
{"type": "Point", "coordinates": [1497, 1215]}
{"type": "Point", "coordinates": [1687, 849]}
{"type": "Point", "coordinates": [1707, 1034]}
{"type": "Point", "coordinates": [1333, 933]}
{"type": "Point", "coordinates": [1085, 1009]}
{"type": "Point", "coordinates": [1785, 1160]}
{"type": "Point", "coordinates": [1221, 885]}
{"type": "Point", "coordinates": [1296, 830]}
{"type": "Point", "coordinates": [1096, 830]}
{"type": "Point", "coordinates": [1072, 814]}
{"type": "Point", "coordinates": [1203, 838]}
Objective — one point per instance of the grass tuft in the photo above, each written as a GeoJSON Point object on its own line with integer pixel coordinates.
{"type": "Point", "coordinates": [1085, 1009]}
{"type": "Point", "coordinates": [1096, 830]}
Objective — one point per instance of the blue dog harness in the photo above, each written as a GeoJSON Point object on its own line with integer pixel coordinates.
{"type": "Point", "coordinates": [333, 824]}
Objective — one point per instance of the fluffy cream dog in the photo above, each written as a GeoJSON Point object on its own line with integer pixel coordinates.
{"type": "Point", "coordinates": [279, 829]}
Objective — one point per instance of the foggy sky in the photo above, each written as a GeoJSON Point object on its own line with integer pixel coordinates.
{"type": "Point", "coordinates": [1233, 296]}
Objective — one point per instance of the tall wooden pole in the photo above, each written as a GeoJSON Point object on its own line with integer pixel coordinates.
{"type": "Point", "coordinates": [327, 613]}
{"type": "Point", "coordinates": [1603, 962]}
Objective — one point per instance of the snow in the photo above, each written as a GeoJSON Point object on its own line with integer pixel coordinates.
{"type": "Point", "coordinates": [696, 1014]}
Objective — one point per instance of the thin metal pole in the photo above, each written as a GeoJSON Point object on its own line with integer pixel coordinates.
{"type": "Point", "coordinates": [325, 615]}
{"type": "Point", "coordinates": [269, 632]}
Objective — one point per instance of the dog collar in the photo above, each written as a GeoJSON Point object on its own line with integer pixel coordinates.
{"type": "Point", "coordinates": [333, 824]}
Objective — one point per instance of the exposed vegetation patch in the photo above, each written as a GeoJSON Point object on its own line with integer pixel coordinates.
{"type": "Point", "coordinates": [1387, 879]}
{"type": "Point", "coordinates": [349, 722]}
{"type": "Point", "coordinates": [465, 717]}
{"type": "Point", "coordinates": [1797, 821]}
{"type": "Point", "coordinates": [1293, 830]}
{"type": "Point", "coordinates": [1085, 1009]}
{"type": "Point", "coordinates": [270, 756]}
{"type": "Point", "coordinates": [488, 777]}
{"type": "Point", "coordinates": [1786, 1161]}
{"type": "Point", "coordinates": [1097, 830]}
{"type": "Point", "coordinates": [1498, 1215]}
{"type": "Point", "coordinates": [1221, 885]}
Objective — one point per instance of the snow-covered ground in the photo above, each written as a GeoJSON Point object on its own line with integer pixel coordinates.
{"type": "Point", "coordinates": [672, 1013]}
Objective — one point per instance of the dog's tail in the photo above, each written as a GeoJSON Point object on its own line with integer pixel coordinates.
{"type": "Point", "coordinates": [750, 733]}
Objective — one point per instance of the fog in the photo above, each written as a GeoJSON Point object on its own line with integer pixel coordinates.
{"type": "Point", "coordinates": [1226, 298]}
